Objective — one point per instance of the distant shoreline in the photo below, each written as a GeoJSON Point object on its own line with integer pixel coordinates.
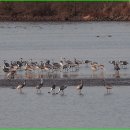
{"type": "Point", "coordinates": [64, 11]}
{"type": "Point", "coordinates": [51, 19]}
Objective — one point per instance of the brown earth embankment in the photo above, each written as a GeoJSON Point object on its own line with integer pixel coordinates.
{"type": "Point", "coordinates": [64, 11]}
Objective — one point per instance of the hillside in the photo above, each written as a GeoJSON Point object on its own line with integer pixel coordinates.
{"type": "Point", "coordinates": [64, 11]}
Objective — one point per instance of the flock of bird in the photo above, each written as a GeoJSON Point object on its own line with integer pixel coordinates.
{"type": "Point", "coordinates": [79, 87]}
{"type": "Point", "coordinates": [52, 90]}
{"type": "Point", "coordinates": [64, 65]}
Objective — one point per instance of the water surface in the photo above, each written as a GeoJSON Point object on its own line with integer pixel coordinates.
{"type": "Point", "coordinates": [94, 109]}
{"type": "Point", "coordinates": [96, 41]}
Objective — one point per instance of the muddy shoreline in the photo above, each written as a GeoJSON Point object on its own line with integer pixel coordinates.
{"type": "Point", "coordinates": [59, 19]}
{"type": "Point", "coordinates": [68, 82]}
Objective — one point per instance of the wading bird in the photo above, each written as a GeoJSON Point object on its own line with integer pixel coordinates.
{"type": "Point", "coordinates": [11, 74]}
{"type": "Point", "coordinates": [52, 89]}
{"type": "Point", "coordinates": [123, 64]}
{"type": "Point", "coordinates": [6, 66]}
{"type": "Point", "coordinates": [20, 86]}
{"type": "Point", "coordinates": [108, 87]}
{"type": "Point", "coordinates": [38, 87]}
{"type": "Point", "coordinates": [61, 89]}
{"type": "Point", "coordinates": [79, 87]}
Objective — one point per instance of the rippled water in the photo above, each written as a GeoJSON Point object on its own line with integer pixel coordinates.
{"type": "Point", "coordinates": [94, 109]}
{"type": "Point", "coordinates": [96, 41]}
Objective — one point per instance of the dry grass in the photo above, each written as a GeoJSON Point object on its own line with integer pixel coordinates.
{"type": "Point", "coordinates": [64, 11]}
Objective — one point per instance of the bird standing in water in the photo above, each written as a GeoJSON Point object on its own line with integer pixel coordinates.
{"type": "Point", "coordinates": [108, 87]}
{"type": "Point", "coordinates": [21, 86]}
{"type": "Point", "coordinates": [61, 89]}
{"type": "Point", "coordinates": [38, 87]}
{"type": "Point", "coordinates": [52, 89]}
{"type": "Point", "coordinates": [79, 87]}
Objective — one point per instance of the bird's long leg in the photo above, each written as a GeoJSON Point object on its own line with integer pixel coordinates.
{"type": "Point", "coordinates": [20, 90]}
{"type": "Point", "coordinates": [79, 91]}
{"type": "Point", "coordinates": [62, 92]}
{"type": "Point", "coordinates": [40, 90]}
{"type": "Point", "coordinates": [17, 89]}
{"type": "Point", "coordinates": [107, 90]}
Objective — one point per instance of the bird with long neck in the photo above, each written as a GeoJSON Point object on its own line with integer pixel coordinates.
{"type": "Point", "coordinates": [39, 86]}
{"type": "Point", "coordinates": [21, 86]}
{"type": "Point", "coordinates": [41, 66]}
{"type": "Point", "coordinates": [65, 67]}
{"type": "Point", "coordinates": [11, 74]}
{"type": "Point", "coordinates": [107, 86]}
{"type": "Point", "coordinates": [80, 87]}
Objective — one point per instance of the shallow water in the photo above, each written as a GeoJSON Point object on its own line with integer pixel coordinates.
{"type": "Point", "coordinates": [55, 40]}
{"type": "Point", "coordinates": [94, 109]}
{"type": "Point", "coordinates": [41, 41]}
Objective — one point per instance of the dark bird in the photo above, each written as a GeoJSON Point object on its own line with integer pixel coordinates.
{"type": "Point", "coordinates": [61, 89]}
{"type": "Point", "coordinates": [109, 35]}
{"type": "Point", "coordinates": [21, 86]}
{"type": "Point", "coordinates": [107, 86]}
{"type": "Point", "coordinates": [6, 69]}
{"type": "Point", "coordinates": [38, 87]}
{"type": "Point", "coordinates": [6, 66]}
{"type": "Point", "coordinates": [123, 64]}
{"type": "Point", "coordinates": [79, 87]}
{"type": "Point", "coordinates": [52, 89]}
